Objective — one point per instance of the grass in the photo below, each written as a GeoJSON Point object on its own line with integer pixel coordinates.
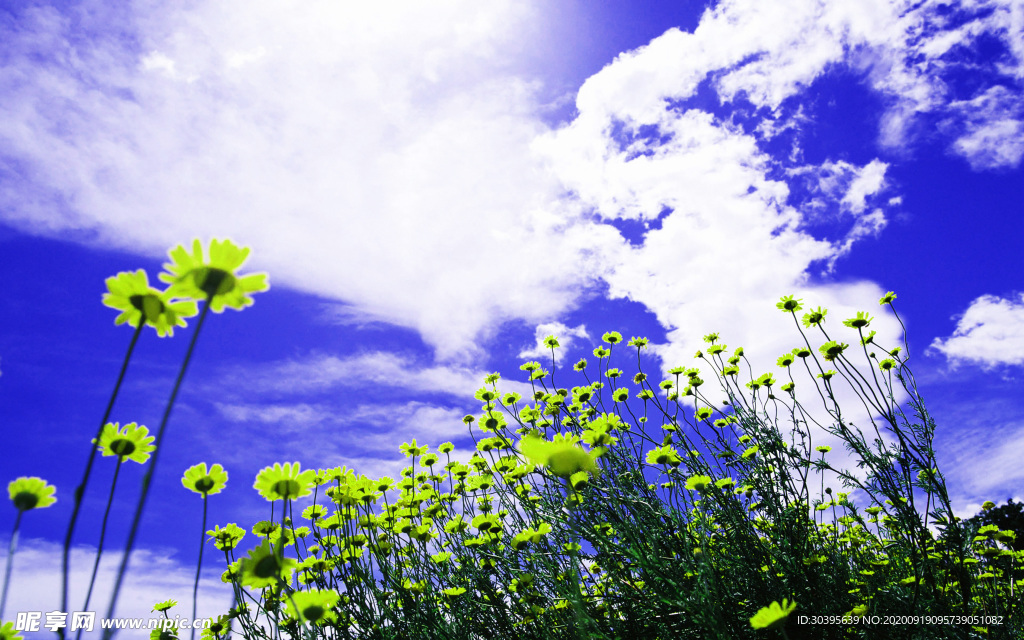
{"type": "Point", "coordinates": [617, 508]}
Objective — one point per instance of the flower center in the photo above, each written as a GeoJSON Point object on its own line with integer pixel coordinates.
{"type": "Point", "coordinates": [286, 488]}
{"type": "Point", "coordinates": [266, 567]}
{"type": "Point", "coordinates": [203, 485]}
{"type": "Point", "coordinates": [150, 305]}
{"type": "Point", "coordinates": [213, 281]}
{"type": "Point", "coordinates": [565, 463]}
{"type": "Point", "coordinates": [313, 612]}
{"type": "Point", "coordinates": [122, 447]}
{"type": "Point", "coordinates": [25, 500]}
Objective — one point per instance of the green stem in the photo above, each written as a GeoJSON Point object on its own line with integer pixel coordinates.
{"type": "Point", "coordinates": [147, 479]}
{"type": "Point", "coordinates": [10, 563]}
{"type": "Point", "coordinates": [199, 565]}
{"type": "Point", "coordinates": [103, 535]}
{"type": "Point", "coordinates": [80, 491]}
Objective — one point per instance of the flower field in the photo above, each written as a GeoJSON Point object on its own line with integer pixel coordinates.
{"type": "Point", "coordinates": [621, 505]}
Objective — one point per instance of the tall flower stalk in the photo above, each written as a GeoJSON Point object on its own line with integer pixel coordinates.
{"type": "Point", "coordinates": [131, 442]}
{"type": "Point", "coordinates": [215, 282]}
{"type": "Point", "coordinates": [140, 305]}
{"type": "Point", "coordinates": [204, 482]}
{"type": "Point", "coordinates": [26, 493]}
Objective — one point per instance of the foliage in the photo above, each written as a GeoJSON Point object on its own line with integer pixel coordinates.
{"type": "Point", "coordinates": [618, 509]}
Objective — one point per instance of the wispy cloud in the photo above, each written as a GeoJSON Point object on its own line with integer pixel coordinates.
{"type": "Point", "coordinates": [992, 128]}
{"type": "Point", "coordinates": [321, 372]}
{"type": "Point", "coordinates": [295, 417]}
{"type": "Point", "coordinates": [355, 434]}
{"type": "Point", "coordinates": [989, 333]}
{"type": "Point", "coordinates": [988, 462]}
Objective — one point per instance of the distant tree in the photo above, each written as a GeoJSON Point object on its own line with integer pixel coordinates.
{"type": "Point", "coordinates": [1008, 517]}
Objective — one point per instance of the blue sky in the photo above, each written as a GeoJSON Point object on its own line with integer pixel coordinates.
{"type": "Point", "coordinates": [433, 191]}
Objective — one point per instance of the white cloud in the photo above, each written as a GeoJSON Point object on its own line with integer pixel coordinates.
{"type": "Point", "coordinates": [295, 417]}
{"type": "Point", "coordinates": [769, 52]}
{"type": "Point", "coordinates": [393, 156]}
{"type": "Point", "coordinates": [565, 337]}
{"type": "Point", "coordinates": [867, 182]}
{"type": "Point", "coordinates": [377, 155]}
{"type": "Point", "coordinates": [153, 576]}
{"type": "Point", "coordinates": [372, 432]}
{"type": "Point", "coordinates": [730, 242]}
{"type": "Point", "coordinates": [993, 128]}
{"type": "Point", "coordinates": [989, 333]}
{"type": "Point", "coordinates": [395, 424]}
{"type": "Point", "coordinates": [321, 372]}
{"type": "Point", "coordinates": [982, 460]}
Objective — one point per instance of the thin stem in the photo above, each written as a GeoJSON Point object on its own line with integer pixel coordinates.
{"type": "Point", "coordinates": [80, 491]}
{"type": "Point", "coordinates": [103, 535]}
{"type": "Point", "coordinates": [199, 565]}
{"type": "Point", "coordinates": [10, 562]}
{"type": "Point", "coordinates": [147, 479]}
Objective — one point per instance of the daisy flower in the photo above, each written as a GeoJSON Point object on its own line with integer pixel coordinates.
{"type": "Point", "coordinates": [698, 483]}
{"type": "Point", "coordinates": [213, 278]}
{"type": "Point", "coordinates": [264, 567]}
{"type": "Point", "coordinates": [227, 538]}
{"type": "Point", "coordinates": [284, 482]}
{"type": "Point", "coordinates": [31, 493]}
{"type": "Point", "coordinates": [315, 605]}
{"type": "Point", "coordinates": [772, 616]}
{"type": "Point", "coordinates": [165, 605]}
{"type": "Point", "coordinates": [562, 457]}
{"type": "Point", "coordinates": [204, 482]}
{"type": "Point", "coordinates": [132, 442]}
{"type": "Point", "coordinates": [129, 292]}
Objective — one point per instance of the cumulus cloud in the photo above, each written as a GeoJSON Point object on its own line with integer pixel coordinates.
{"type": "Point", "coordinates": [728, 236]}
{"type": "Point", "coordinates": [378, 155]}
{"type": "Point", "coordinates": [393, 157]}
{"type": "Point", "coordinates": [989, 333]}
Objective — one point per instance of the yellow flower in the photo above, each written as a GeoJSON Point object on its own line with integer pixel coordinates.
{"type": "Point", "coordinates": [132, 442]}
{"type": "Point", "coordinates": [227, 538]}
{"type": "Point", "coordinates": [165, 605]}
{"type": "Point", "coordinates": [130, 293]}
{"type": "Point", "coordinates": [772, 616]}
{"type": "Point", "coordinates": [190, 275]}
{"type": "Point", "coordinates": [698, 483]}
{"type": "Point", "coordinates": [265, 567]}
{"type": "Point", "coordinates": [315, 605]}
{"type": "Point", "coordinates": [31, 493]}
{"type": "Point", "coordinates": [284, 482]}
{"type": "Point", "coordinates": [203, 482]}
{"type": "Point", "coordinates": [561, 456]}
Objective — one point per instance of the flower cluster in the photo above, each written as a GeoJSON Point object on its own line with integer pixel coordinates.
{"type": "Point", "coordinates": [191, 277]}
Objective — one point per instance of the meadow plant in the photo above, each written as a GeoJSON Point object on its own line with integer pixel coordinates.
{"type": "Point", "coordinates": [617, 508]}
{"type": "Point", "coordinates": [26, 493]}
